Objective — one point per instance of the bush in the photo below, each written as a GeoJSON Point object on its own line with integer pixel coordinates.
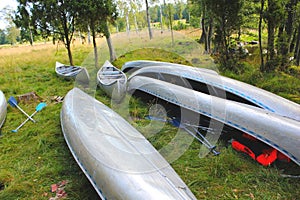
{"type": "Point", "coordinates": [180, 26]}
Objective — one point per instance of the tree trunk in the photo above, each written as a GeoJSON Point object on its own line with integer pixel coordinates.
{"type": "Point", "coordinates": [112, 52]}
{"type": "Point", "coordinates": [205, 35]}
{"type": "Point", "coordinates": [127, 24]}
{"type": "Point", "coordinates": [68, 46]}
{"type": "Point", "coordinates": [262, 65]}
{"type": "Point", "coordinates": [225, 42]}
{"type": "Point", "coordinates": [95, 45]}
{"type": "Point", "coordinates": [148, 20]}
{"type": "Point", "coordinates": [161, 19]}
{"type": "Point", "coordinates": [271, 43]}
{"type": "Point", "coordinates": [135, 20]}
{"type": "Point", "coordinates": [136, 24]}
{"type": "Point", "coordinates": [297, 48]}
{"type": "Point", "coordinates": [289, 25]}
{"type": "Point", "coordinates": [210, 33]}
{"type": "Point", "coordinates": [31, 36]}
{"type": "Point", "coordinates": [280, 38]}
{"type": "Point", "coordinates": [171, 23]}
{"type": "Point", "coordinates": [67, 42]}
{"type": "Point", "coordinates": [282, 47]}
{"type": "Point", "coordinates": [271, 55]}
{"type": "Point", "coordinates": [204, 30]}
{"type": "Point", "coordinates": [89, 35]}
{"type": "Point", "coordinates": [172, 34]}
{"type": "Point", "coordinates": [68, 38]}
{"type": "Point", "coordinates": [202, 37]}
{"type": "Point", "coordinates": [293, 41]}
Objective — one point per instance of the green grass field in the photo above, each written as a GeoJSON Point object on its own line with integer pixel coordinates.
{"type": "Point", "coordinates": [37, 156]}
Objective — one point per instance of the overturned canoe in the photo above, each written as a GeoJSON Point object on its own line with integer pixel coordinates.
{"type": "Point", "coordinates": [279, 132]}
{"type": "Point", "coordinates": [131, 66]}
{"type": "Point", "coordinates": [71, 72]}
{"type": "Point", "coordinates": [223, 87]}
{"type": "Point", "coordinates": [119, 162]}
{"type": "Point", "coordinates": [112, 81]}
{"type": "Point", "coordinates": [3, 108]}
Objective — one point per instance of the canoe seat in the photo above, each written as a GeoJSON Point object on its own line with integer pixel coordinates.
{"type": "Point", "coordinates": [110, 72]}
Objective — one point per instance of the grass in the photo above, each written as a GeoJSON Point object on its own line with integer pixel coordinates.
{"type": "Point", "coordinates": [37, 156]}
{"type": "Point", "coordinates": [283, 84]}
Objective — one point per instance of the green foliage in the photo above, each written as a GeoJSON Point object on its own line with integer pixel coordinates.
{"type": "Point", "coordinates": [227, 18]}
{"type": "Point", "coordinates": [10, 35]}
{"type": "Point", "coordinates": [280, 27]}
{"type": "Point", "coordinates": [3, 37]}
{"type": "Point", "coordinates": [284, 84]}
{"type": "Point", "coordinates": [180, 26]}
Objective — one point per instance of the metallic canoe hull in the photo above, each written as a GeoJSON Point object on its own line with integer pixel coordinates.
{"type": "Point", "coordinates": [112, 81]}
{"type": "Point", "coordinates": [72, 72]}
{"type": "Point", "coordinates": [216, 85]}
{"type": "Point", "coordinates": [132, 66]}
{"type": "Point", "coordinates": [279, 132]}
{"type": "Point", "coordinates": [116, 158]}
{"type": "Point", "coordinates": [3, 108]}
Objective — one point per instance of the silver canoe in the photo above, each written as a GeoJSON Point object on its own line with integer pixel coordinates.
{"type": "Point", "coordinates": [3, 108]}
{"type": "Point", "coordinates": [131, 66]}
{"type": "Point", "coordinates": [279, 132]}
{"type": "Point", "coordinates": [216, 85]}
{"type": "Point", "coordinates": [71, 72]}
{"type": "Point", "coordinates": [119, 162]}
{"type": "Point", "coordinates": [112, 80]}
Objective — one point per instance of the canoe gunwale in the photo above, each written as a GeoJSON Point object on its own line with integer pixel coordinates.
{"type": "Point", "coordinates": [139, 64]}
{"type": "Point", "coordinates": [92, 181]}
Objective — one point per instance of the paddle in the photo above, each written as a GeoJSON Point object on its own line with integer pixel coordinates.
{"type": "Point", "coordinates": [185, 126]}
{"type": "Point", "coordinates": [38, 108]}
{"type": "Point", "coordinates": [202, 139]}
{"type": "Point", "coordinates": [13, 102]}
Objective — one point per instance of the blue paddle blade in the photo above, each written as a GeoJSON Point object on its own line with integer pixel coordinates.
{"type": "Point", "coordinates": [12, 101]}
{"type": "Point", "coordinates": [40, 106]}
{"type": "Point", "coordinates": [14, 131]}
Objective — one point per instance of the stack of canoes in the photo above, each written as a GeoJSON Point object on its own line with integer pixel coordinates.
{"type": "Point", "coordinates": [276, 131]}
{"type": "Point", "coordinates": [188, 93]}
{"type": "Point", "coordinates": [205, 81]}
{"type": "Point", "coordinates": [3, 108]}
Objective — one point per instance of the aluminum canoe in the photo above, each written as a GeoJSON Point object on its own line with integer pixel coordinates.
{"type": "Point", "coordinates": [72, 72]}
{"type": "Point", "coordinates": [217, 85]}
{"type": "Point", "coordinates": [3, 108]}
{"type": "Point", "coordinates": [112, 81]}
{"type": "Point", "coordinates": [274, 130]}
{"type": "Point", "coordinates": [131, 66]}
{"type": "Point", "coordinates": [117, 159]}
